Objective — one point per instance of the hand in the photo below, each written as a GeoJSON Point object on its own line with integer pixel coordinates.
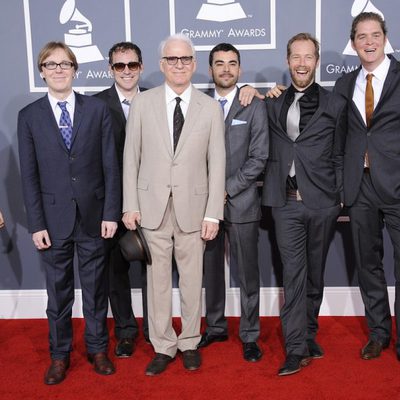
{"type": "Point", "coordinates": [130, 219]}
{"type": "Point", "coordinates": [209, 230]}
{"type": "Point", "coordinates": [41, 240]}
{"type": "Point", "coordinates": [276, 91]}
{"type": "Point", "coordinates": [2, 224]}
{"type": "Point", "coordinates": [108, 229]}
{"type": "Point", "coordinates": [247, 93]}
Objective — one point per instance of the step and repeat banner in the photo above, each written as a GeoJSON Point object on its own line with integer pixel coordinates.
{"type": "Point", "coordinates": [258, 28]}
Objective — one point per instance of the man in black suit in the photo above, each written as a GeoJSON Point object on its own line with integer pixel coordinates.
{"type": "Point", "coordinates": [302, 184]}
{"type": "Point", "coordinates": [246, 144]}
{"type": "Point", "coordinates": [71, 188]}
{"type": "Point", "coordinates": [372, 172]}
{"type": "Point", "coordinates": [126, 65]}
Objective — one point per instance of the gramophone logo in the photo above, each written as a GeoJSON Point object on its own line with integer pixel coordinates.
{"type": "Point", "coordinates": [221, 11]}
{"type": "Point", "coordinates": [358, 7]}
{"type": "Point", "coordinates": [249, 25]}
{"type": "Point", "coordinates": [80, 24]}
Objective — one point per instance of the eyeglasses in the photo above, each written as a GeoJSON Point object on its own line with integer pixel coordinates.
{"type": "Point", "coordinates": [53, 65]}
{"type": "Point", "coordinates": [185, 60]}
{"type": "Point", "coordinates": [120, 66]}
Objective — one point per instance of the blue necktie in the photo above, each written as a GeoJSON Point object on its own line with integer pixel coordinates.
{"type": "Point", "coordinates": [222, 103]}
{"type": "Point", "coordinates": [65, 124]}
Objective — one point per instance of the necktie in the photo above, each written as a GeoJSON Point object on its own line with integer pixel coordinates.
{"type": "Point", "coordinates": [222, 103]}
{"type": "Point", "coordinates": [126, 102]}
{"type": "Point", "coordinates": [125, 109]}
{"type": "Point", "coordinates": [292, 123]}
{"type": "Point", "coordinates": [65, 124]}
{"type": "Point", "coordinates": [369, 109]}
{"type": "Point", "coordinates": [178, 121]}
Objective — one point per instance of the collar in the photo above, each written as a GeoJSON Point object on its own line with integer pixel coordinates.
{"type": "Point", "coordinates": [70, 100]}
{"type": "Point", "coordinates": [380, 71]}
{"type": "Point", "coordinates": [170, 95]}
{"type": "Point", "coordinates": [230, 96]}
{"type": "Point", "coordinates": [121, 96]}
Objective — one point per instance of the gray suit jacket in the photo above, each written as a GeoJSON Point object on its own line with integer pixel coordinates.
{"type": "Point", "coordinates": [194, 174]}
{"type": "Point", "coordinates": [246, 144]}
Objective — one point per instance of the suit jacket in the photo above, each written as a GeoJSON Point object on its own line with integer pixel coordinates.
{"type": "Point", "coordinates": [56, 181]}
{"type": "Point", "coordinates": [317, 153]}
{"type": "Point", "coordinates": [246, 145]}
{"type": "Point", "coordinates": [194, 174]}
{"type": "Point", "coordinates": [382, 139]}
{"type": "Point", "coordinates": [110, 96]}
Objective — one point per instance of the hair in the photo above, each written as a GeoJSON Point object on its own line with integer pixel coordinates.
{"type": "Point", "coordinates": [49, 48]}
{"type": "Point", "coordinates": [366, 16]}
{"type": "Point", "coordinates": [123, 47]}
{"type": "Point", "coordinates": [223, 47]}
{"type": "Point", "coordinates": [178, 37]}
{"type": "Point", "coordinates": [304, 37]}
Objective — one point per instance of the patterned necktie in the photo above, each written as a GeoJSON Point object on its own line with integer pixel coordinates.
{"type": "Point", "coordinates": [127, 103]}
{"type": "Point", "coordinates": [292, 123]}
{"type": "Point", "coordinates": [178, 121]}
{"type": "Point", "coordinates": [65, 124]}
{"type": "Point", "coordinates": [222, 103]}
{"type": "Point", "coordinates": [369, 109]}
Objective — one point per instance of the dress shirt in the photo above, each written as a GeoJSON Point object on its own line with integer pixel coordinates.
{"type": "Point", "coordinates": [378, 79]}
{"type": "Point", "coordinates": [229, 100]}
{"type": "Point", "coordinates": [57, 110]}
{"type": "Point", "coordinates": [125, 107]}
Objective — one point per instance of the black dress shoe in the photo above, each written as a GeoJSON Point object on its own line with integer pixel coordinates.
{"type": "Point", "coordinates": [398, 356]}
{"type": "Point", "coordinates": [207, 339]}
{"type": "Point", "coordinates": [56, 372]}
{"type": "Point", "coordinates": [191, 359]}
{"type": "Point", "coordinates": [101, 363]}
{"type": "Point", "coordinates": [251, 352]}
{"type": "Point", "coordinates": [314, 349]}
{"type": "Point", "coordinates": [372, 349]}
{"type": "Point", "coordinates": [124, 348]}
{"type": "Point", "coordinates": [158, 364]}
{"type": "Point", "coordinates": [293, 364]}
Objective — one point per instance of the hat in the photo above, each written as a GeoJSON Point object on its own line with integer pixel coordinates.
{"type": "Point", "coordinates": [134, 246]}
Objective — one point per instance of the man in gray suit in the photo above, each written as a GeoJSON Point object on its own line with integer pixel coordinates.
{"type": "Point", "coordinates": [303, 183]}
{"type": "Point", "coordinates": [246, 144]}
{"type": "Point", "coordinates": [173, 185]}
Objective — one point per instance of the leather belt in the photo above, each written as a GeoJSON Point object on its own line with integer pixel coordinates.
{"type": "Point", "coordinates": [292, 194]}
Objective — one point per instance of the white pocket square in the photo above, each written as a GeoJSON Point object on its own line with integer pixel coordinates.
{"type": "Point", "coordinates": [238, 122]}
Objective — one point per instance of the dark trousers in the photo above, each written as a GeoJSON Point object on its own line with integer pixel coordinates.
{"type": "Point", "coordinates": [368, 215]}
{"type": "Point", "coordinates": [58, 261]}
{"type": "Point", "coordinates": [126, 325]}
{"type": "Point", "coordinates": [303, 236]}
{"type": "Point", "coordinates": [243, 244]}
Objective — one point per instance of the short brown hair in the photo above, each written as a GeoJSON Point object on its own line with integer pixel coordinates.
{"type": "Point", "coordinates": [50, 47]}
{"type": "Point", "coordinates": [302, 36]}
{"type": "Point", "coordinates": [366, 16]}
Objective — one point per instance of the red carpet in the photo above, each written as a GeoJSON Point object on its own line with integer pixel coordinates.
{"type": "Point", "coordinates": [341, 374]}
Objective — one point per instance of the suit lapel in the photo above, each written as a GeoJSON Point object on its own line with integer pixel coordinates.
{"type": "Point", "coordinates": [78, 114]}
{"type": "Point", "coordinates": [235, 108]}
{"type": "Point", "coordinates": [115, 104]}
{"type": "Point", "coordinates": [277, 104]}
{"type": "Point", "coordinates": [160, 116]}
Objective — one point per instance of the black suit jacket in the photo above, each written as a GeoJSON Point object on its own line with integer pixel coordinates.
{"type": "Point", "coordinates": [382, 139]}
{"type": "Point", "coordinates": [55, 181]}
{"type": "Point", "coordinates": [317, 152]}
{"type": "Point", "coordinates": [246, 144]}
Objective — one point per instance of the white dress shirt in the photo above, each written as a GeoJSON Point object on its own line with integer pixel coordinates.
{"type": "Point", "coordinates": [57, 110]}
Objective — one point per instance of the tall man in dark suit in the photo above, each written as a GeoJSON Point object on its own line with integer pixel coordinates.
{"type": "Point", "coordinates": [372, 172]}
{"type": "Point", "coordinates": [126, 65]}
{"type": "Point", "coordinates": [246, 145]}
{"type": "Point", "coordinates": [71, 188]}
{"type": "Point", "coordinates": [302, 184]}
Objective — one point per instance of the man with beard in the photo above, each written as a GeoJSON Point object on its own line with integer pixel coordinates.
{"type": "Point", "coordinates": [303, 183]}
{"type": "Point", "coordinates": [246, 145]}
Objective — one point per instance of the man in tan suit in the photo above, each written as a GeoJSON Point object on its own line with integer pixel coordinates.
{"type": "Point", "coordinates": [174, 180]}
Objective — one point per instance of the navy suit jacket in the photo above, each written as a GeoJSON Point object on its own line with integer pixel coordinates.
{"type": "Point", "coordinates": [56, 182]}
{"type": "Point", "coordinates": [246, 144]}
{"type": "Point", "coordinates": [317, 153]}
{"type": "Point", "coordinates": [382, 139]}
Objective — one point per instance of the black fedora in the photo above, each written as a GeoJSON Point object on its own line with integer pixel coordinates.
{"type": "Point", "coordinates": [134, 246]}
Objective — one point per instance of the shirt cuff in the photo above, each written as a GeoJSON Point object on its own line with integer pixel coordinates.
{"type": "Point", "coordinates": [211, 220]}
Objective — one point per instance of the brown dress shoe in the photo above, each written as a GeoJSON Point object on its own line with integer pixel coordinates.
{"type": "Point", "coordinates": [56, 372]}
{"type": "Point", "coordinates": [191, 359]}
{"type": "Point", "coordinates": [102, 364]}
{"type": "Point", "coordinates": [372, 349]}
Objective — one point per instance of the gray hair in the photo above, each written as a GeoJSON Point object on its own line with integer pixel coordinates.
{"type": "Point", "coordinates": [180, 37]}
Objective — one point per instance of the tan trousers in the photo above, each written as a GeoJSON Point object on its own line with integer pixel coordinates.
{"type": "Point", "coordinates": [188, 250]}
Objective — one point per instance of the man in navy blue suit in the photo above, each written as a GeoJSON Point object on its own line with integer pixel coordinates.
{"type": "Point", "coordinates": [71, 188]}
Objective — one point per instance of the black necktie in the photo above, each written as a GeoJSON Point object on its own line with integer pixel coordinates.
{"type": "Point", "coordinates": [178, 121]}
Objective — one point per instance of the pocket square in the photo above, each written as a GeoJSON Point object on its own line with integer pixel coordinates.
{"type": "Point", "coordinates": [238, 122]}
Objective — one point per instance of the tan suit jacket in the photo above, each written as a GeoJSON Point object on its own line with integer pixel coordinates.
{"type": "Point", "coordinates": [195, 174]}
